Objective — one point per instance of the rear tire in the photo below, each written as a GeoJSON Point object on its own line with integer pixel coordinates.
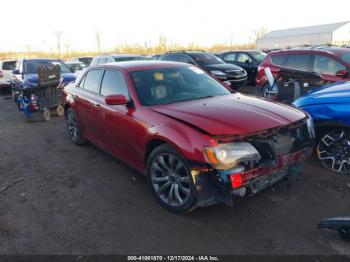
{"type": "Point", "coordinates": [170, 179]}
{"type": "Point", "coordinates": [265, 90]}
{"type": "Point", "coordinates": [73, 128]}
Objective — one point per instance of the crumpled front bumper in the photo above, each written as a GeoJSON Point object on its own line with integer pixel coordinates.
{"type": "Point", "coordinates": [213, 186]}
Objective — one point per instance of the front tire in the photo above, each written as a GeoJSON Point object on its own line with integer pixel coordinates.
{"type": "Point", "coordinates": [170, 179]}
{"type": "Point", "coordinates": [333, 150]}
{"type": "Point", "coordinates": [74, 131]}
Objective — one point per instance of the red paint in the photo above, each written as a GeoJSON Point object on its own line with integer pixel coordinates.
{"type": "Point", "coordinates": [126, 131]}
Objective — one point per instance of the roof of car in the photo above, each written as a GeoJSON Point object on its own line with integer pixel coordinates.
{"type": "Point", "coordinates": [140, 65]}
{"type": "Point", "coordinates": [331, 50]}
{"type": "Point", "coordinates": [123, 55]}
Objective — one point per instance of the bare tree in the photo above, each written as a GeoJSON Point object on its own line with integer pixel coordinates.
{"type": "Point", "coordinates": [58, 36]}
{"type": "Point", "coordinates": [98, 40]}
{"type": "Point", "coordinates": [259, 33]}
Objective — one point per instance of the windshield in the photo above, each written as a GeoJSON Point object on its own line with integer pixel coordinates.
{"type": "Point", "coordinates": [346, 58]}
{"type": "Point", "coordinates": [259, 56]}
{"type": "Point", "coordinates": [128, 58]}
{"type": "Point", "coordinates": [32, 66]}
{"type": "Point", "coordinates": [177, 84]}
{"type": "Point", "coordinates": [206, 59]}
{"type": "Point", "coordinates": [86, 60]}
{"type": "Point", "coordinates": [75, 66]}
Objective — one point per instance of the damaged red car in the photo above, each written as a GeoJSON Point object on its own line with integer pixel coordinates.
{"type": "Point", "coordinates": [197, 143]}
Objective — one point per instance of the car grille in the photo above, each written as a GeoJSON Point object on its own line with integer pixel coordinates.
{"type": "Point", "coordinates": [239, 73]}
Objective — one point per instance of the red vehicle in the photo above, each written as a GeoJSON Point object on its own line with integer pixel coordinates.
{"type": "Point", "coordinates": [332, 63]}
{"type": "Point", "coordinates": [197, 143]}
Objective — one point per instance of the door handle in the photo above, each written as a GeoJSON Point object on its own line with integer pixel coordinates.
{"type": "Point", "coordinates": [97, 106]}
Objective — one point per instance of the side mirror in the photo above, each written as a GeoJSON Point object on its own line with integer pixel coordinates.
{"type": "Point", "coordinates": [16, 72]}
{"type": "Point", "coordinates": [248, 61]}
{"type": "Point", "coordinates": [342, 73]}
{"type": "Point", "coordinates": [114, 100]}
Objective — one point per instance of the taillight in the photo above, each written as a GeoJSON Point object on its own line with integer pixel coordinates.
{"type": "Point", "coordinates": [236, 180]}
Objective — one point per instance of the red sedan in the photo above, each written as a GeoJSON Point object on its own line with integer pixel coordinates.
{"type": "Point", "coordinates": [197, 143]}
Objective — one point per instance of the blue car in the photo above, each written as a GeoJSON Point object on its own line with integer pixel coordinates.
{"type": "Point", "coordinates": [329, 107]}
{"type": "Point", "coordinates": [26, 74]}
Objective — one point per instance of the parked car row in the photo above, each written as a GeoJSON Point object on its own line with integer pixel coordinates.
{"type": "Point", "coordinates": [178, 121]}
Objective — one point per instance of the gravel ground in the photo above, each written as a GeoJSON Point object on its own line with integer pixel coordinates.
{"type": "Point", "coordinates": [58, 198]}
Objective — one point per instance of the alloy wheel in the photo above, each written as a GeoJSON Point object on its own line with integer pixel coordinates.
{"type": "Point", "coordinates": [170, 179]}
{"type": "Point", "coordinates": [72, 126]}
{"type": "Point", "coordinates": [333, 150]}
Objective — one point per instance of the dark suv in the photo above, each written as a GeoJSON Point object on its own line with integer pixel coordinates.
{"type": "Point", "coordinates": [247, 59]}
{"type": "Point", "coordinates": [211, 64]}
{"type": "Point", "coordinates": [331, 63]}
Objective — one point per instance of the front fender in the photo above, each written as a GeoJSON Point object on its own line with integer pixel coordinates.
{"type": "Point", "coordinates": [188, 141]}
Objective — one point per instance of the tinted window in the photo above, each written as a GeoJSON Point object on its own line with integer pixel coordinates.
{"type": "Point", "coordinates": [326, 65]}
{"type": "Point", "coordinates": [9, 65]}
{"type": "Point", "coordinates": [86, 60]}
{"type": "Point", "coordinates": [278, 60]}
{"type": "Point", "coordinates": [206, 59]}
{"type": "Point", "coordinates": [93, 80]}
{"type": "Point", "coordinates": [128, 58]}
{"type": "Point", "coordinates": [346, 58]}
{"type": "Point", "coordinates": [177, 58]}
{"type": "Point", "coordinates": [298, 61]}
{"type": "Point", "coordinates": [82, 81]}
{"type": "Point", "coordinates": [113, 84]}
{"type": "Point", "coordinates": [230, 57]}
{"type": "Point", "coordinates": [244, 58]}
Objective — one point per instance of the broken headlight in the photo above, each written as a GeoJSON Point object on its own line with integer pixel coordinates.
{"type": "Point", "coordinates": [226, 156]}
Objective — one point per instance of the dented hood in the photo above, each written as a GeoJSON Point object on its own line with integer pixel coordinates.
{"type": "Point", "coordinates": [234, 114]}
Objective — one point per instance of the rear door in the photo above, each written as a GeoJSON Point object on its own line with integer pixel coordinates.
{"type": "Point", "coordinates": [86, 97]}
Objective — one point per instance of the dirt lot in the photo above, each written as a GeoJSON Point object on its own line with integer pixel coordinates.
{"type": "Point", "coordinates": [79, 200]}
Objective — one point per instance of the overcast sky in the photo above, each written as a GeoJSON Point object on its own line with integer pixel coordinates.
{"type": "Point", "coordinates": [33, 23]}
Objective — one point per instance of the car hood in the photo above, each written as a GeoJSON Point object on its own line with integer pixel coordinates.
{"type": "Point", "coordinates": [222, 67]}
{"type": "Point", "coordinates": [234, 114]}
{"type": "Point", "coordinates": [336, 93]}
{"type": "Point", "coordinates": [34, 78]}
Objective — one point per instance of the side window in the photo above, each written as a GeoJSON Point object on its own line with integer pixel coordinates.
{"type": "Point", "coordinates": [93, 80]}
{"type": "Point", "coordinates": [9, 65]}
{"type": "Point", "coordinates": [113, 84]}
{"type": "Point", "coordinates": [244, 58]}
{"type": "Point", "coordinates": [299, 61]}
{"type": "Point", "coordinates": [278, 60]}
{"type": "Point", "coordinates": [82, 81]}
{"type": "Point", "coordinates": [230, 57]}
{"type": "Point", "coordinates": [326, 65]}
